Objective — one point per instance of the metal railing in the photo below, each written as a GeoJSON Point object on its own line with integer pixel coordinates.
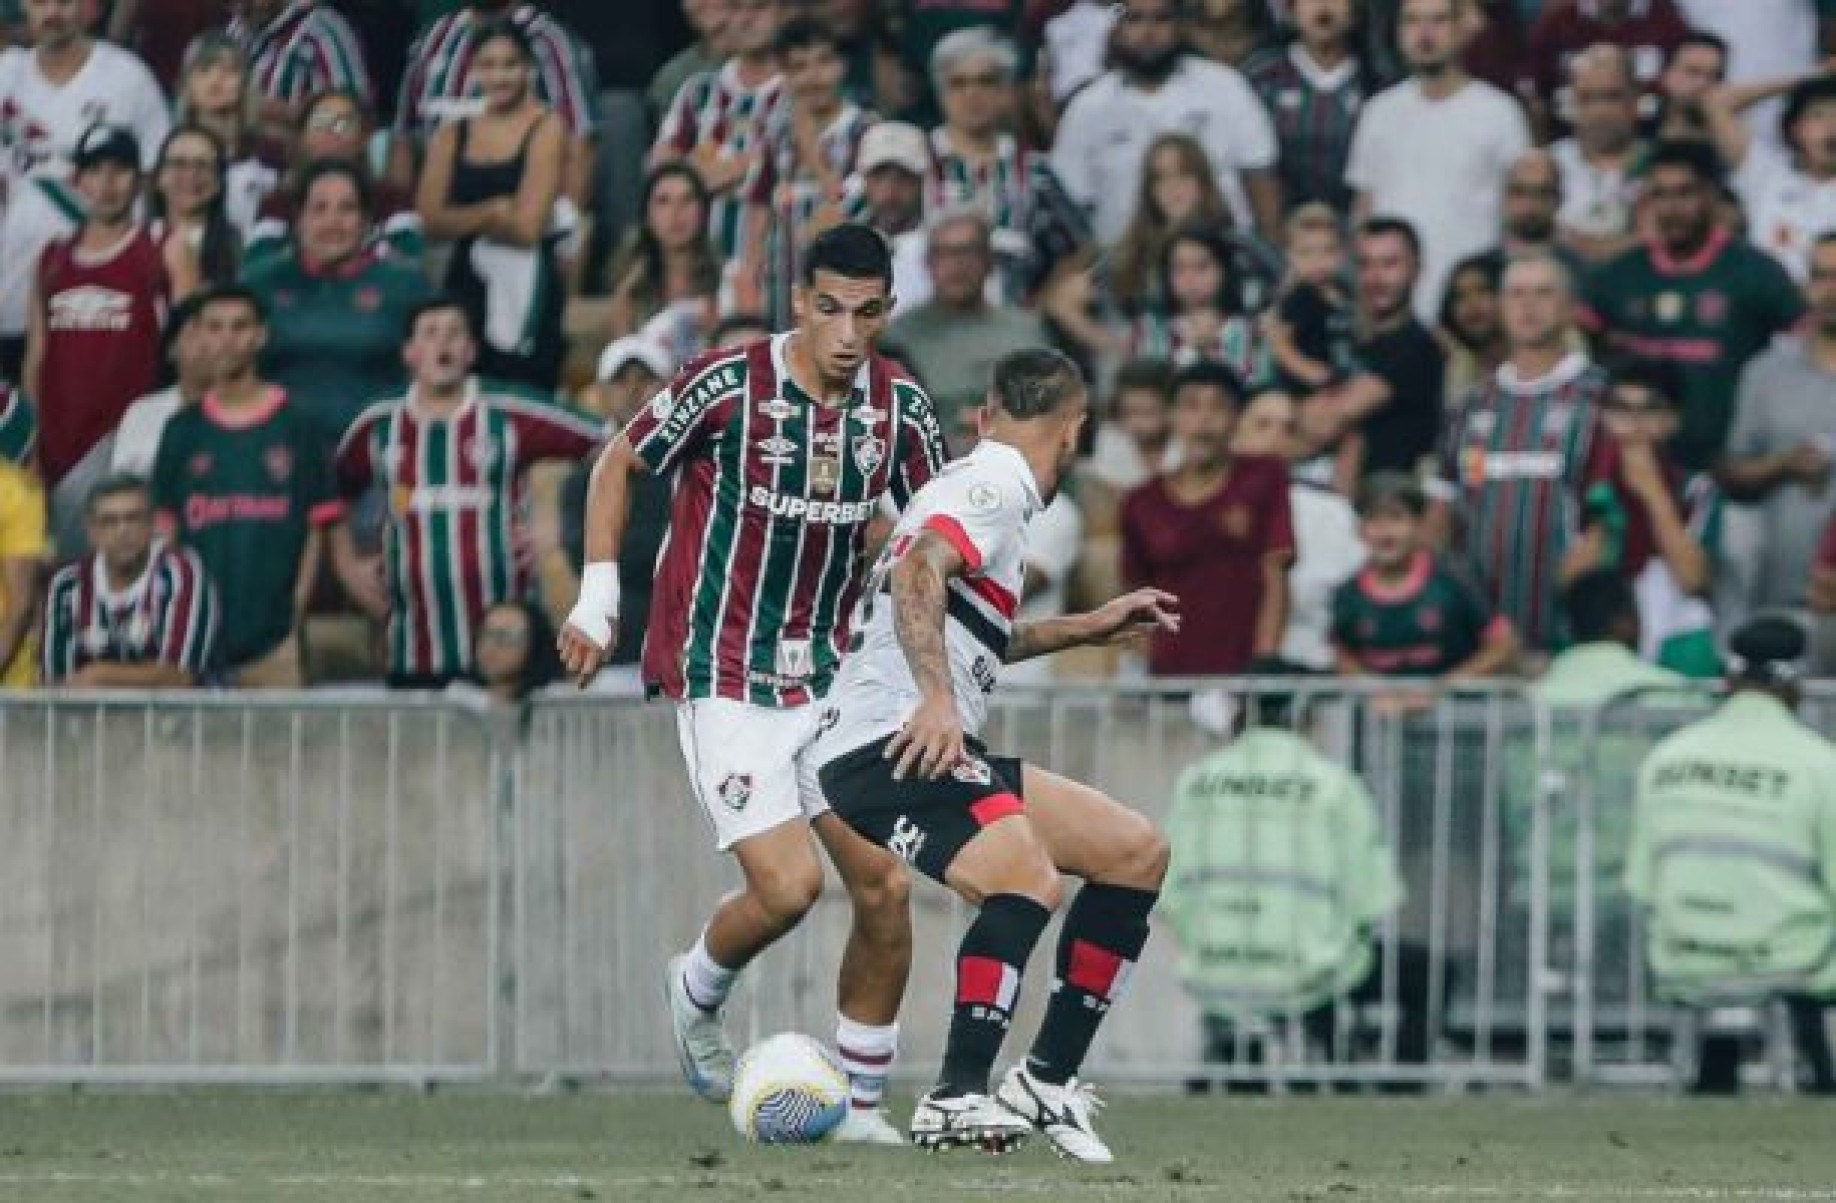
{"type": "Point", "coordinates": [363, 887]}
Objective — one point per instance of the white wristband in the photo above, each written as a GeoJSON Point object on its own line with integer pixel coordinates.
{"type": "Point", "coordinates": [596, 609]}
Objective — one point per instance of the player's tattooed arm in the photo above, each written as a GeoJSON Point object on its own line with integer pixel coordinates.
{"type": "Point", "coordinates": [931, 741]}
{"type": "Point", "coordinates": [1123, 620]}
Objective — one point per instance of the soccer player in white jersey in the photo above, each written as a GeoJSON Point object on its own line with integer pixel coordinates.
{"type": "Point", "coordinates": [50, 94]}
{"type": "Point", "coordinates": [901, 763]}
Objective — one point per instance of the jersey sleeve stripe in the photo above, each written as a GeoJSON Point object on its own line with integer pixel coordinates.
{"type": "Point", "coordinates": [1004, 603]}
{"type": "Point", "coordinates": [951, 531]}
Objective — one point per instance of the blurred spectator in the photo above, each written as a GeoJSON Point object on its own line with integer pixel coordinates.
{"type": "Point", "coordinates": [24, 548]}
{"type": "Point", "coordinates": [490, 186]}
{"type": "Point", "coordinates": [216, 93]}
{"type": "Point", "coordinates": [1227, 31]}
{"type": "Point", "coordinates": [1076, 47]}
{"type": "Point", "coordinates": [1217, 532]}
{"type": "Point", "coordinates": [1643, 32]}
{"type": "Point", "coordinates": [629, 373]}
{"type": "Point", "coordinates": [1433, 150]}
{"type": "Point", "coordinates": [135, 613]}
{"type": "Point", "coordinates": [1176, 191]}
{"type": "Point", "coordinates": [1766, 39]}
{"type": "Point", "coordinates": [1135, 441]}
{"type": "Point", "coordinates": [1498, 45]}
{"type": "Point", "coordinates": [1790, 195]}
{"type": "Point", "coordinates": [18, 428]}
{"type": "Point", "coordinates": [1533, 201]}
{"type": "Point", "coordinates": [1602, 661]}
{"type": "Point", "coordinates": [1515, 458]}
{"type": "Point", "coordinates": [1470, 325]}
{"type": "Point", "coordinates": [436, 602]}
{"type": "Point", "coordinates": [1312, 334]}
{"type": "Point", "coordinates": [441, 85]}
{"type": "Point", "coordinates": [891, 165]}
{"type": "Point", "coordinates": [96, 309]}
{"type": "Point", "coordinates": [708, 18]}
{"type": "Point", "coordinates": [1040, 232]}
{"type": "Point", "coordinates": [1280, 875]}
{"type": "Point", "coordinates": [735, 330]}
{"type": "Point", "coordinates": [1732, 856]}
{"type": "Point", "coordinates": [193, 362]}
{"type": "Point", "coordinates": [1697, 65]}
{"type": "Point", "coordinates": [811, 142]}
{"type": "Point", "coordinates": [1202, 315]}
{"type": "Point", "coordinates": [52, 94]}
{"type": "Point", "coordinates": [163, 32]}
{"type": "Point", "coordinates": [1601, 158]}
{"type": "Point", "coordinates": [297, 49]}
{"type": "Point", "coordinates": [242, 479]}
{"type": "Point", "coordinates": [921, 26]}
{"type": "Point", "coordinates": [1154, 87]}
{"type": "Point", "coordinates": [1394, 404]}
{"type": "Point", "coordinates": [338, 305]}
{"type": "Point", "coordinates": [336, 128]}
{"type": "Point", "coordinates": [667, 264]}
{"type": "Point", "coordinates": [1649, 520]}
{"type": "Point", "coordinates": [515, 654]}
{"type": "Point", "coordinates": [718, 120]}
{"type": "Point", "coordinates": [952, 341]}
{"type": "Point", "coordinates": [1408, 614]}
{"type": "Point", "coordinates": [1313, 89]}
{"type": "Point", "coordinates": [1692, 295]}
{"type": "Point", "coordinates": [186, 206]}
{"type": "Point", "coordinates": [1327, 546]}
{"type": "Point", "coordinates": [1784, 436]}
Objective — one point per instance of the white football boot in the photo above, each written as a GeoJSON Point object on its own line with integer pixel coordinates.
{"type": "Point", "coordinates": [867, 1126]}
{"type": "Point", "coordinates": [702, 1047]}
{"type": "Point", "coordinates": [966, 1121]}
{"type": "Point", "coordinates": [1066, 1114]}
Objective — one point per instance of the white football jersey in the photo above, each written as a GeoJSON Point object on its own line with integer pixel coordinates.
{"type": "Point", "coordinates": [40, 124]}
{"type": "Point", "coordinates": [981, 505]}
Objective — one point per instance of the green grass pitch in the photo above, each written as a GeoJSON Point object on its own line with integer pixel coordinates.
{"type": "Point", "coordinates": [257, 1147]}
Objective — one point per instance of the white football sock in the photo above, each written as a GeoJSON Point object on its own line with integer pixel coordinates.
{"type": "Point", "coordinates": [708, 982]}
{"type": "Point", "coordinates": [867, 1055]}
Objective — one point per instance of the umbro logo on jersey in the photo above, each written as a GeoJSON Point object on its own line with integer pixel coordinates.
{"type": "Point", "coordinates": [778, 409]}
{"type": "Point", "coordinates": [867, 415]}
{"type": "Point", "coordinates": [778, 450]}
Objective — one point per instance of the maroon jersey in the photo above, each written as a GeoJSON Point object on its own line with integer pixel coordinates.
{"type": "Point", "coordinates": [103, 316]}
{"type": "Point", "coordinates": [1648, 35]}
{"type": "Point", "coordinates": [1211, 555]}
{"type": "Point", "coordinates": [757, 581]}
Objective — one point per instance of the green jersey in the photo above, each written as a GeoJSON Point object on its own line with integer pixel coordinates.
{"type": "Point", "coordinates": [1279, 869]}
{"type": "Point", "coordinates": [1425, 625]}
{"type": "Point", "coordinates": [243, 490]}
{"type": "Point", "coordinates": [1733, 854]}
{"type": "Point", "coordinates": [1708, 315]}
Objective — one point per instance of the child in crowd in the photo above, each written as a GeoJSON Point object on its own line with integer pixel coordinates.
{"type": "Point", "coordinates": [1311, 334]}
{"type": "Point", "coordinates": [1201, 317]}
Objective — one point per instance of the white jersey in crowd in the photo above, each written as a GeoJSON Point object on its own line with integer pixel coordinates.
{"type": "Point", "coordinates": [40, 123]}
{"type": "Point", "coordinates": [981, 505]}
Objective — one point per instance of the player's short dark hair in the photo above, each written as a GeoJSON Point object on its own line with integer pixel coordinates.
{"type": "Point", "coordinates": [850, 250]}
{"type": "Point", "coordinates": [1687, 154]}
{"type": "Point", "coordinates": [234, 294]}
{"type": "Point", "coordinates": [1392, 488]}
{"type": "Point", "coordinates": [1034, 383]}
{"type": "Point", "coordinates": [1659, 377]}
{"type": "Point", "coordinates": [1392, 227]}
{"type": "Point", "coordinates": [321, 169]}
{"type": "Point", "coordinates": [1798, 101]}
{"type": "Point", "coordinates": [440, 302]}
{"type": "Point", "coordinates": [1209, 373]}
{"type": "Point", "coordinates": [1597, 604]}
{"type": "Point", "coordinates": [115, 484]}
{"type": "Point", "coordinates": [804, 33]}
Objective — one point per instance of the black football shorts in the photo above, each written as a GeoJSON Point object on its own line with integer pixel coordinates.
{"type": "Point", "coordinates": [924, 823]}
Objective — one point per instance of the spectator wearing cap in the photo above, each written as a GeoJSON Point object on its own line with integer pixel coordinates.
{"type": "Point", "coordinates": [193, 364]}
{"type": "Point", "coordinates": [53, 93]}
{"type": "Point", "coordinates": [1692, 295]}
{"type": "Point", "coordinates": [1516, 457]}
{"type": "Point", "coordinates": [1156, 86]}
{"type": "Point", "coordinates": [1603, 661]}
{"type": "Point", "coordinates": [887, 193]}
{"type": "Point", "coordinates": [1789, 195]}
{"type": "Point", "coordinates": [1314, 88]}
{"type": "Point", "coordinates": [953, 341]}
{"type": "Point", "coordinates": [95, 318]}
{"type": "Point", "coordinates": [1217, 531]}
{"type": "Point", "coordinates": [1409, 613]}
{"type": "Point", "coordinates": [297, 49]}
{"type": "Point", "coordinates": [1642, 33]}
{"type": "Point", "coordinates": [1600, 159]}
{"type": "Point", "coordinates": [1781, 447]}
{"type": "Point", "coordinates": [1733, 852]}
{"type": "Point", "coordinates": [1433, 149]}
{"type": "Point", "coordinates": [135, 612]}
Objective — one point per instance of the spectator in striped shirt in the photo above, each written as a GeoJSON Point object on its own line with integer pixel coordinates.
{"type": "Point", "coordinates": [297, 49]}
{"type": "Point", "coordinates": [1202, 317]}
{"type": "Point", "coordinates": [133, 614]}
{"type": "Point", "coordinates": [1314, 88]}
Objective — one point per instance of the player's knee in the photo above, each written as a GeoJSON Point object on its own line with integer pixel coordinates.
{"type": "Point", "coordinates": [787, 893]}
{"type": "Point", "coordinates": [1141, 854]}
{"type": "Point", "coordinates": [883, 891]}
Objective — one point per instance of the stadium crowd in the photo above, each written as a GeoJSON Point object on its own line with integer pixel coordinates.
{"type": "Point", "coordinates": [1405, 315]}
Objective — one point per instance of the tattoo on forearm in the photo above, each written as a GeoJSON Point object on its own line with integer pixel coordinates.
{"type": "Point", "coordinates": [1030, 640]}
{"type": "Point", "coordinates": [918, 620]}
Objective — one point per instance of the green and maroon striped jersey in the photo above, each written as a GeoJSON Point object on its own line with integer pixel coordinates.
{"type": "Point", "coordinates": [454, 486]}
{"type": "Point", "coordinates": [1514, 462]}
{"type": "Point", "coordinates": [308, 48]}
{"type": "Point", "coordinates": [1314, 112]}
{"type": "Point", "coordinates": [773, 491]}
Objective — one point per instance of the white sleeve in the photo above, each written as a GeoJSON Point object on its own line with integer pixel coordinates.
{"type": "Point", "coordinates": [1513, 133]}
{"type": "Point", "coordinates": [980, 519]}
{"type": "Point", "coordinates": [1363, 161]}
{"type": "Point", "coordinates": [150, 117]}
{"type": "Point", "coordinates": [1252, 134]}
{"type": "Point", "coordinates": [1071, 148]}
{"type": "Point", "coordinates": [1755, 176]}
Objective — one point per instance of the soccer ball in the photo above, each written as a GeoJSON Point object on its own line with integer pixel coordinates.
{"type": "Point", "coordinates": [788, 1090]}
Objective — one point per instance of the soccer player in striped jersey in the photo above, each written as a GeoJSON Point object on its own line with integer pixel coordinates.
{"type": "Point", "coordinates": [902, 763]}
{"type": "Point", "coordinates": [297, 49]}
{"type": "Point", "coordinates": [782, 452]}
{"type": "Point", "coordinates": [450, 454]}
{"type": "Point", "coordinates": [134, 613]}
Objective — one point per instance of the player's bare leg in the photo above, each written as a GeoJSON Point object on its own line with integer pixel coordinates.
{"type": "Point", "coordinates": [1123, 860]}
{"type": "Point", "coordinates": [1006, 872]}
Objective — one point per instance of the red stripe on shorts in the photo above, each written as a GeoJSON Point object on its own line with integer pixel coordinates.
{"type": "Point", "coordinates": [995, 807]}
